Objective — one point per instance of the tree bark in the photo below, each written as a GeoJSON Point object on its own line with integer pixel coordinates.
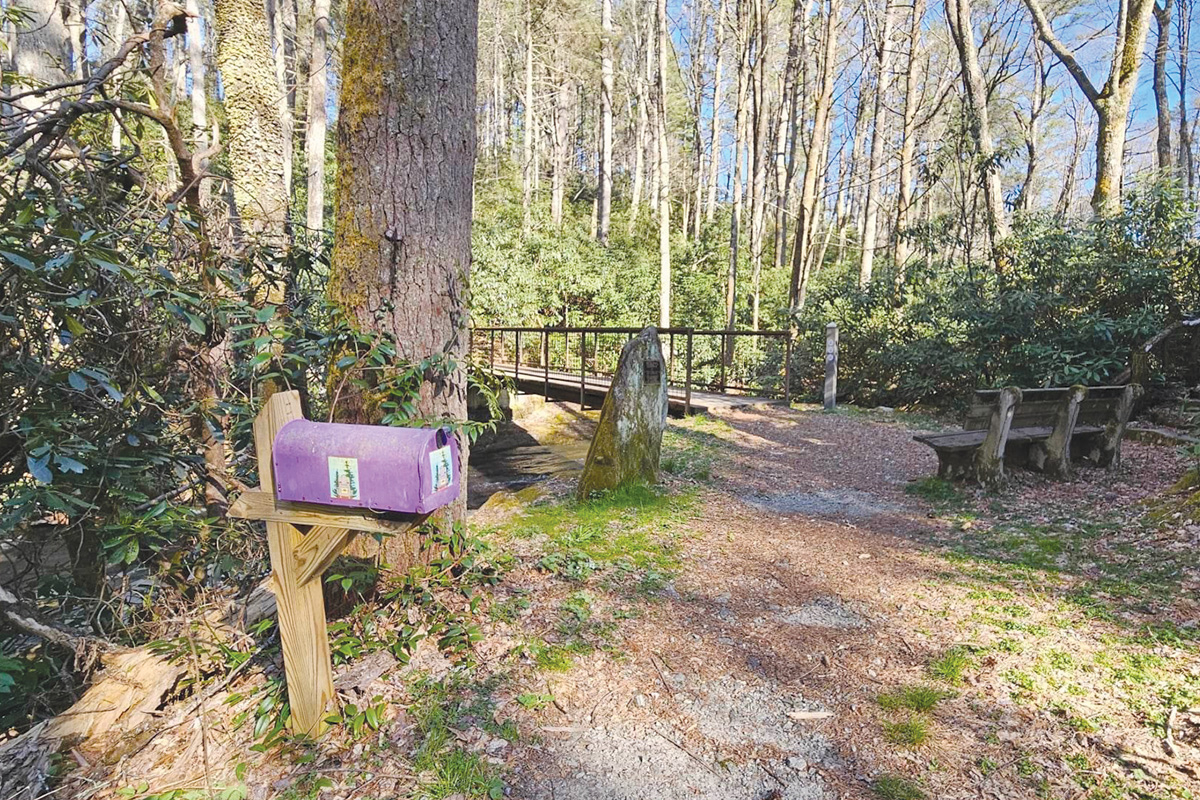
{"type": "Point", "coordinates": [406, 152]}
{"type": "Point", "coordinates": [41, 46]}
{"type": "Point", "coordinates": [255, 143]}
{"type": "Point", "coordinates": [604, 190]}
{"type": "Point", "coordinates": [282, 20]}
{"type": "Point", "coordinates": [314, 136]}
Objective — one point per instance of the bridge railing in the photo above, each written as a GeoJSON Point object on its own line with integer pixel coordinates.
{"type": "Point", "coordinates": [757, 363]}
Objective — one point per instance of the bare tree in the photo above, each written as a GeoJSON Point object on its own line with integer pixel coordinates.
{"type": "Point", "coordinates": [317, 119]}
{"type": "Point", "coordinates": [714, 138]}
{"type": "Point", "coordinates": [883, 51]}
{"type": "Point", "coordinates": [1111, 101]}
{"type": "Point", "coordinates": [604, 190]}
{"type": "Point", "coordinates": [962, 29]}
{"type": "Point", "coordinates": [664, 175]}
{"type": "Point", "coordinates": [1162, 106]}
{"type": "Point", "coordinates": [908, 143]}
{"type": "Point", "coordinates": [814, 162]}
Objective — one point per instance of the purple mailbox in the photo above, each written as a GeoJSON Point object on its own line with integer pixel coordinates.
{"type": "Point", "coordinates": [409, 470]}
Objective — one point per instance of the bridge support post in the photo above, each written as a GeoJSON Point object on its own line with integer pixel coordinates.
{"type": "Point", "coordinates": [726, 356]}
{"type": "Point", "coordinates": [787, 371]}
{"type": "Point", "coordinates": [517, 359]}
{"type": "Point", "coordinates": [687, 380]}
{"type": "Point", "coordinates": [582, 370]}
{"type": "Point", "coordinates": [492, 352]}
{"type": "Point", "coordinates": [546, 361]}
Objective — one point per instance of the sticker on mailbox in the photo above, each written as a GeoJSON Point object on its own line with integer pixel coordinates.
{"type": "Point", "coordinates": [441, 467]}
{"type": "Point", "coordinates": [343, 478]}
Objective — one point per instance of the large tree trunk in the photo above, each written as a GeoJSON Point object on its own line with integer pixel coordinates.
{"type": "Point", "coordinates": [406, 150]}
{"type": "Point", "coordinates": [41, 47]}
{"type": "Point", "coordinates": [814, 164]}
{"type": "Point", "coordinates": [314, 136]}
{"type": "Point", "coordinates": [883, 50]}
{"type": "Point", "coordinates": [714, 138]}
{"type": "Point", "coordinates": [282, 20]}
{"type": "Point", "coordinates": [604, 190]}
{"type": "Point", "coordinates": [255, 143]}
{"type": "Point", "coordinates": [962, 28]}
{"type": "Point", "coordinates": [664, 176]}
{"type": "Point", "coordinates": [199, 96]}
{"type": "Point", "coordinates": [1162, 49]}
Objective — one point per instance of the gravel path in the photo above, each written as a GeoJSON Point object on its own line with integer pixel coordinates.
{"type": "Point", "coordinates": [805, 592]}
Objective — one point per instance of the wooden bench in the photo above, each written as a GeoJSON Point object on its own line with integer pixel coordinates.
{"type": "Point", "coordinates": [1041, 428]}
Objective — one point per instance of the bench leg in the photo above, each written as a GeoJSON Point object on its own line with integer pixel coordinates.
{"type": "Point", "coordinates": [989, 458]}
{"type": "Point", "coordinates": [1053, 456]}
{"type": "Point", "coordinates": [1107, 452]}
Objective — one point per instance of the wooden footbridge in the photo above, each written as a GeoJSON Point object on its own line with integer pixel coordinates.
{"type": "Point", "coordinates": [707, 370]}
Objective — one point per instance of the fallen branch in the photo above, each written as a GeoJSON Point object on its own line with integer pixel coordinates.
{"type": "Point", "coordinates": [29, 621]}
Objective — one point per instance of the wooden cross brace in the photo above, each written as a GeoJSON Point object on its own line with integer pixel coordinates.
{"type": "Point", "coordinates": [298, 559]}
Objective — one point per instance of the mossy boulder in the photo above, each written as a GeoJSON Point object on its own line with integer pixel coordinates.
{"type": "Point", "coordinates": [628, 441]}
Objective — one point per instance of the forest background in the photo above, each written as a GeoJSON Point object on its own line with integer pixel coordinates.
{"type": "Point", "coordinates": [978, 194]}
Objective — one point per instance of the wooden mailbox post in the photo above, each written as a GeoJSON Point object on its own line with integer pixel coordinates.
{"type": "Point", "coordinates": [304, 538]}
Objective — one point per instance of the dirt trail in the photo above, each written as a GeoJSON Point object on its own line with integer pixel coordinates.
{"type": "Point", "coordinates": [808, 587]}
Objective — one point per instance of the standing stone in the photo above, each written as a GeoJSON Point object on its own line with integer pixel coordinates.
{"type": "Point", "coordinates": [627, 444]}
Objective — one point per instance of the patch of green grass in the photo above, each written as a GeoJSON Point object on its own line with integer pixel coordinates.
{"type": "Point", "coordinates": [438, 709]}
{"type": "Point", "coordinates": [912, 732]}
{"type": "Point", "coordinates": [913, 698]}
{"type": "Point", "coordinates": [551, 657]}
{"type": "Point", "coordinates": [935, 490]}
{"type": "Point", "coordinates": [1022, 680]}
{"type": "Point", "coordinates": [534, 701]}
{"type": "Point", "coordinates": [458, 773]}
{"type": "Point", "coordinates": [952, 665]}
{"type": "Point", "coordinates": [897, 787]}
{"type": "Point", "coordinates": [629, 535]}
{"type": "Point", "coordinates": [509, 609]}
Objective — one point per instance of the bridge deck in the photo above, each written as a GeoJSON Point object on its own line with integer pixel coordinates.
{"type": "Point", "coordinates": [565, 386]}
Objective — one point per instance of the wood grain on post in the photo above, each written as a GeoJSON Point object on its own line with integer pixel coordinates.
{"type": "Point", "coordinates": [301, 604]}
{"type": "Point", "coordinates": [831, 365]}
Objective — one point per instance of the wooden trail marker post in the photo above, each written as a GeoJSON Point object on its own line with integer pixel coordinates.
{"type": "Point", "coordinates": [831, 365]}
{"type": "Point", "coordinates": [406, 471]}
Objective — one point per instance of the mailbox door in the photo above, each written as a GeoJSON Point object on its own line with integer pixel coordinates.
{"type": "Point", "coordinates": [439, 470]}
